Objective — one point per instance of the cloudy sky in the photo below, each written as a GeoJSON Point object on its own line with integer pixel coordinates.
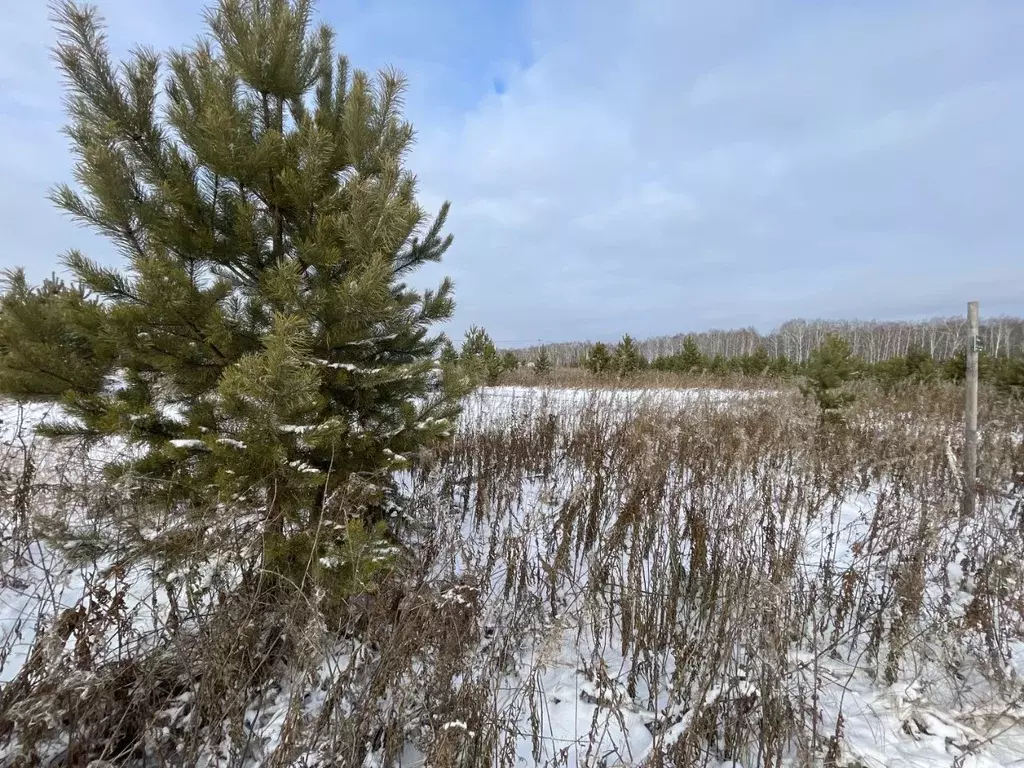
{"type": "Point", "coordinates": [654, 166]}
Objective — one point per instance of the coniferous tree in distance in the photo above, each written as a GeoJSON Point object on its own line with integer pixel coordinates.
{"type": "Point", "coordinates": [955, 368]}
{"type": "Point", "coordinates": [475, 343]}
{"type": "Point", "coordinates": [780, 366]}
{"type": "Point", "coordinates": [921, 367]}
{"type": "Point", "coordinates": [1009, 376]}
{"type": "Point", "coordinates": [479, 357]}
{"type": "Point", "coordinates": [757, 363]}
{"type": "Point", "coordinates": [449, 355]}
{"type": "Point", "coordinates": [718, 365]}
{"type": "Point", "coordinates": [509, 361]}
{"type": "Point", "coordinates": [598, 359]}
{"type": "Point", "coordinates": [628, 359]}
{"type": "Point", "coordinates": [492, 366]}
{"type": "Point", "coordinates": [828, 369]}
{"type": "Point", "coordinates": [691, 358]}
{"type": "Point", "coordinates": [261, 333]}
{"type": "Point", "coordinates": [542, 363]}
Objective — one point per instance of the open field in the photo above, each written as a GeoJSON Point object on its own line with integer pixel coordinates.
{"type": "Point", "coordinates": [579, 378]}
{"type": "Point", "coordinates": [595, 577]}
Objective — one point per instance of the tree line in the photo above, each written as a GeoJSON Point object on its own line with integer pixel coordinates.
{"type": "Point", "coordinates": [916, 365]}
{"type": "Point", "coordinates": [480, 362]}
{"type": "Point", "coordinates": [869, 340]}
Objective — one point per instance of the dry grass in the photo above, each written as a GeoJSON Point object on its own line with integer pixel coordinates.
{"type": "Point", "coordinates": [719, 573]}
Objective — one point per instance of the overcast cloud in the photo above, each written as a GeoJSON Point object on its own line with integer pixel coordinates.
{"type": "Point", "coordinates": [655, 166]}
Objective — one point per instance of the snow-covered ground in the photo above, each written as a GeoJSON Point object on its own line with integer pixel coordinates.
{"type": "Point", "coordinates": [490, 404]}
{"type": "Point", "coordinates": [644, 596]}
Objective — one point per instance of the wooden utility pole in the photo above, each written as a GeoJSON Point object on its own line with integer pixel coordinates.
{"type": "Point", "coordinates": [971, 411]}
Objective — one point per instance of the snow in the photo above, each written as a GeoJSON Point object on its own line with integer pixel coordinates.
{"type": "Point", "coordinates": [297, 429]}
{"type": "Point", "coordinates": [34, 590]}
{"type": "Point", "coordinates": [502, 400]}
{"type": "Point", "coordinates": [566, 700]}
{"type": "Point", "coordinates": [188, 444]}
{"type": "Point", "coordinates": [350, 367]}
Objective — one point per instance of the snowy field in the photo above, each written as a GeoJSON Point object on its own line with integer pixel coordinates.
{"type": "Point", "coordinates": [610, 577]}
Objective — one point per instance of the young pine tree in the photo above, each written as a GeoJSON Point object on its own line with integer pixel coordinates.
{"type": "Point", "coordinates": [509, 361]}
{"type": "Point", "coordinates": [1008, 376]}
{"type": "Point", "coordinates": [780, 366]}
{"type": "Point", "coordinates": [955, 368]}
{"type": "Point", "coordinates": [828, 369]}
{"type": "Point", "coordinates": [598, 359]}
{"type": "Point", "coordinates": [628, 359]}
{"type": "Point", "coordinates": [756, 363]}
{"type": "Point", "coordinates": [493, 366]}
{"type": "Point", "coordinates": [260, 337]}
{"type": "Point", "coordinates": [921, 367]}
{"type": "Point", "coordinates": [542, 363]}
{"type": "Point", "coordinates": [475, 343]}
{"type": "Point", "coordinates": [690, 358]}
{"type": "Point", "coordinates": [449, 356]}
{"type": "Point", "coordinates": [479, 357]}
{"type": "Point", "coordinates": [916, 367]}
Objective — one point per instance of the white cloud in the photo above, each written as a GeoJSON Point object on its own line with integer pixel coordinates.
{"type": "Point", "coordinates": [653, 166]}
{"type": "Point", "coordinates": [672, 164]}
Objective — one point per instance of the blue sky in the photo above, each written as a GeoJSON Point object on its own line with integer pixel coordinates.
{"type": "Point", "coordinates": [650, 167]}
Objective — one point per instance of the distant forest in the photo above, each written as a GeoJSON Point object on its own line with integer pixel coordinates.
{"type": "Point", "coordinates": [870, 340]}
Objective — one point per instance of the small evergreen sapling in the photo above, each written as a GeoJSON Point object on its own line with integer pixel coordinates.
{"type": "Point", "coordinates": [628, 359]}
{"type": "Point", "coordinates": [828, 369]}
{"type": "Point", "coordinates": [691, 358]}
{"type": "Point", "coordinates": [479, 357]}
{"type": "Point", "coordinates": [542, 363]}
{"type": "Point", "coordinates": [780, 367]}
{"type": "Point", "coordinates": [260, 338]}
{"type": "Point", "coordinates": [475, 343]}
{"type": "Point", "coordinates": [449, 356]}
{"type": "Point", "coordinates": [921, 367]}
{"type": "Point", "coordinates": [598, 359]}
{"type": "Point", "coordinates": [1008, 376]}
{"type": "Point", "coordinates": [757, 363]}
{"type": "Point", "coordinates": [916, 367]}
{"type": "Point", "coordinates": [955, 368]}
{"type": "Point", "coordinates": [493, 366]}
